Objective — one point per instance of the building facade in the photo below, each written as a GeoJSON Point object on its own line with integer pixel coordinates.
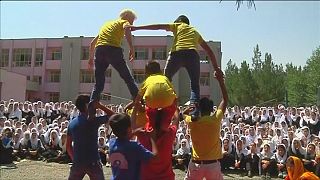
{"type": "Point", "coordinates": [56, 69]}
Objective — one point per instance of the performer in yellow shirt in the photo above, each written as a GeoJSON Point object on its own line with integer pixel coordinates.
{"type": "Point", "coordinates": [205, 135]}
{"type": "Point", "coordinates": [107, 46]}
{"type": "Point", "coordinates": [183, 54]}
{"type": "Point", "coordinates": [159, 97]}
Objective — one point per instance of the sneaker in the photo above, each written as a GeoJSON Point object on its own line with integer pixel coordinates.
{"type": "Point", "coordinates": [249, 174]}
{"type": "Point", "coordinates": [195, 113]}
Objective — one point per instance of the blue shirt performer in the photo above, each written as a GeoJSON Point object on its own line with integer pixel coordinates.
{"type": "Point", "coordinates": [84, 135]}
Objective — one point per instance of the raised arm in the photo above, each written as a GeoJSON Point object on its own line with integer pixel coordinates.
{"type": "Point", "coordinates": [128, 35]}
{"type": "Point", "coordinates": [91, 51]}
{"type": "Point", "coordinates": [208, 50]}
{"type": "Point", "coordinates": [175, 118]}
{"type": "Point", "coordinates": [224, 101]}
{"type": "Point", "coordinates": [104, 108]}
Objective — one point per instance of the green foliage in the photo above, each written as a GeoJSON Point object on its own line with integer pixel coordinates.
{"type": "Point", "coordinates": [269, 82]}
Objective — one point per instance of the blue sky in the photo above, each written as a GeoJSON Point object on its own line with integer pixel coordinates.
{"type": "Point", "coordinates": [290, 31]}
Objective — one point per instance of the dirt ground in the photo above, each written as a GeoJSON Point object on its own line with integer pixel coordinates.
{"type": "Point", "coordinates": [38, 170]}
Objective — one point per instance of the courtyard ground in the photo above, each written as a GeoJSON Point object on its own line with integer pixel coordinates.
{"type": "Point", "coordinates": [38, 170]}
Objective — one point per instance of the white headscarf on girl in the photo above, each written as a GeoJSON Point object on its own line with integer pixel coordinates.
{"type": "Point", "coordinates": [265, 154]}
{"type": "Point", "coordinates": [243, 151]}
{"type": "Point", "coordinates": [229, 145]}
{"type": "Point", "coordinates": [301, 149]}
{"type": "Point", "coordinates": [56, 141]}
{"type": "Point", "coordinates": [184, 150]}
{"type": "Point", "coordinates": [64, 145]}
{"type": "Point", "coordinates": [34, 141]}
{"type": "Point", "coordinates": [282, 159]}
{"type": "Point", "coordinates": [25, 139]}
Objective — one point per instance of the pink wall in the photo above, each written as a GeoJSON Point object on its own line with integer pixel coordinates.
{"type": "Point", "coordinates": [13, 85]}
{"type": "Point", "coordinates": [150, 41]}
{"type": "Point", "coordinates": [87, 87]}
{"type": "Point", "coordinates": [52, 87]}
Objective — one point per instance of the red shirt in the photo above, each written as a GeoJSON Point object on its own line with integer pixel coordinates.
{"type": "Point", "coordinates": [161, 167]}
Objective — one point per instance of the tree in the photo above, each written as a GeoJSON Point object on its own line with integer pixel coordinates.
{"type": "Point", "coordinates": [232, 74]}
{"type": "Point", "coordinates": [296, 85]}
{"type": "Point", "coordinates": [247, 86]}
{"type": "Point", "coordinates": [312, 70]}
{"type": "Point", "coordinates": [250, 3]}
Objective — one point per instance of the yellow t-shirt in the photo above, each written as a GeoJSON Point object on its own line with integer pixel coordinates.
{"type": "Point", "coordinates": [205, 135]}
{"type": "Point", "coordinates": [157, 91]}
{"type": "Point", "coordinates": [185, 37]}
{"type": "Point", "coordinates": [140, 118]}
{"type": "Point", "coordinates": [111, 33]}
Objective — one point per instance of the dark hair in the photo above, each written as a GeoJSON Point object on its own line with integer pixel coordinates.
{"type": "Point", "coordinates": [205, 105]}
{"type": "Point", "coordinates": [119, 124]}
{"type": "Point", "coordinates": [81, 102]}
{"type": "Point", "coordinates": [182, 18]}
{"type": "Point", "coordinates": [153, 67]}
{"type": "Point", "coordinates": [157, 124]}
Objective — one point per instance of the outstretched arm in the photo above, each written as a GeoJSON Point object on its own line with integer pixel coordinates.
{"type": "Point", "coordinates": [208, 50]}
{"type": "Point", "coordinates": [91, 51]}
{"type": "Point", "coordinates": [152, 27]}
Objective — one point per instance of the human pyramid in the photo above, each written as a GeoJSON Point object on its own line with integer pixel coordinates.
{"type": "Point", "coordinates": [145, 134]}
{"type": "Point", "coordinates": [155, 101]}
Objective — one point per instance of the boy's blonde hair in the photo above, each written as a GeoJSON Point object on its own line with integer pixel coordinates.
{"type": "Point", "coordinates": [128, 13]}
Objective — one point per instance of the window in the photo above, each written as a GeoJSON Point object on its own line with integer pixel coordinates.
{"type": "Point", "coordinates": [39, 57]}
{"type": "Point", "coordinates": [56, 54]}
{"type": "Point", "coordinates": [4, 62]}
{"type": "Point", "coordinates": [203, 57]}
{"type": "Point", "coordinates": [141, 53]}
{"type": "Point", "coordinates": [28, 78]}
{"type": "Point", "coordinates": [138, 76]}
{"type": "Point", "coordinates": [22, 57]}
{"type": "Point", "coordinates": [37, 79]}
{"type": "Point", "coordinates": [159, 53]}
{"type": "Point", "coordinates": [106, 97]}
{"type": "Point", "coordinates": [54, 97]}
{"type": "Point", "coordinates": [84, 53]}
{"type": "Point", "coordinates": [204, 79]}
{"type": "Point", "coordinates": [54, 76]}
{"type": "Point", "coordinates": [86, 76]}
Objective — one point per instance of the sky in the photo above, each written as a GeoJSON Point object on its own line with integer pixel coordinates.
{"type": "Point", "coordinates": [289, 30]}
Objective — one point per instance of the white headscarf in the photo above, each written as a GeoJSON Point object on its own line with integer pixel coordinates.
{"type": "Point", "coordinates": [229, 145]}
{"type": "Point", "coordinates": [34, 141]}
{"type": "Point", "coordinates": [265, 154]}
{"type": "Point", "coordinates": [64, 145]}
{"type": "Point", "coordinates": [243, 150]}
{"type": "Point", "coordinates": [56, 141]}
{"type": "Point", "coordinates": [301, 149]}
{"type": "Point", "coordinates": [184, 150]}
{"type": "Point", "coordinates": [25, 139]}
{"type": "Point", "coordinates": [282, 159]}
